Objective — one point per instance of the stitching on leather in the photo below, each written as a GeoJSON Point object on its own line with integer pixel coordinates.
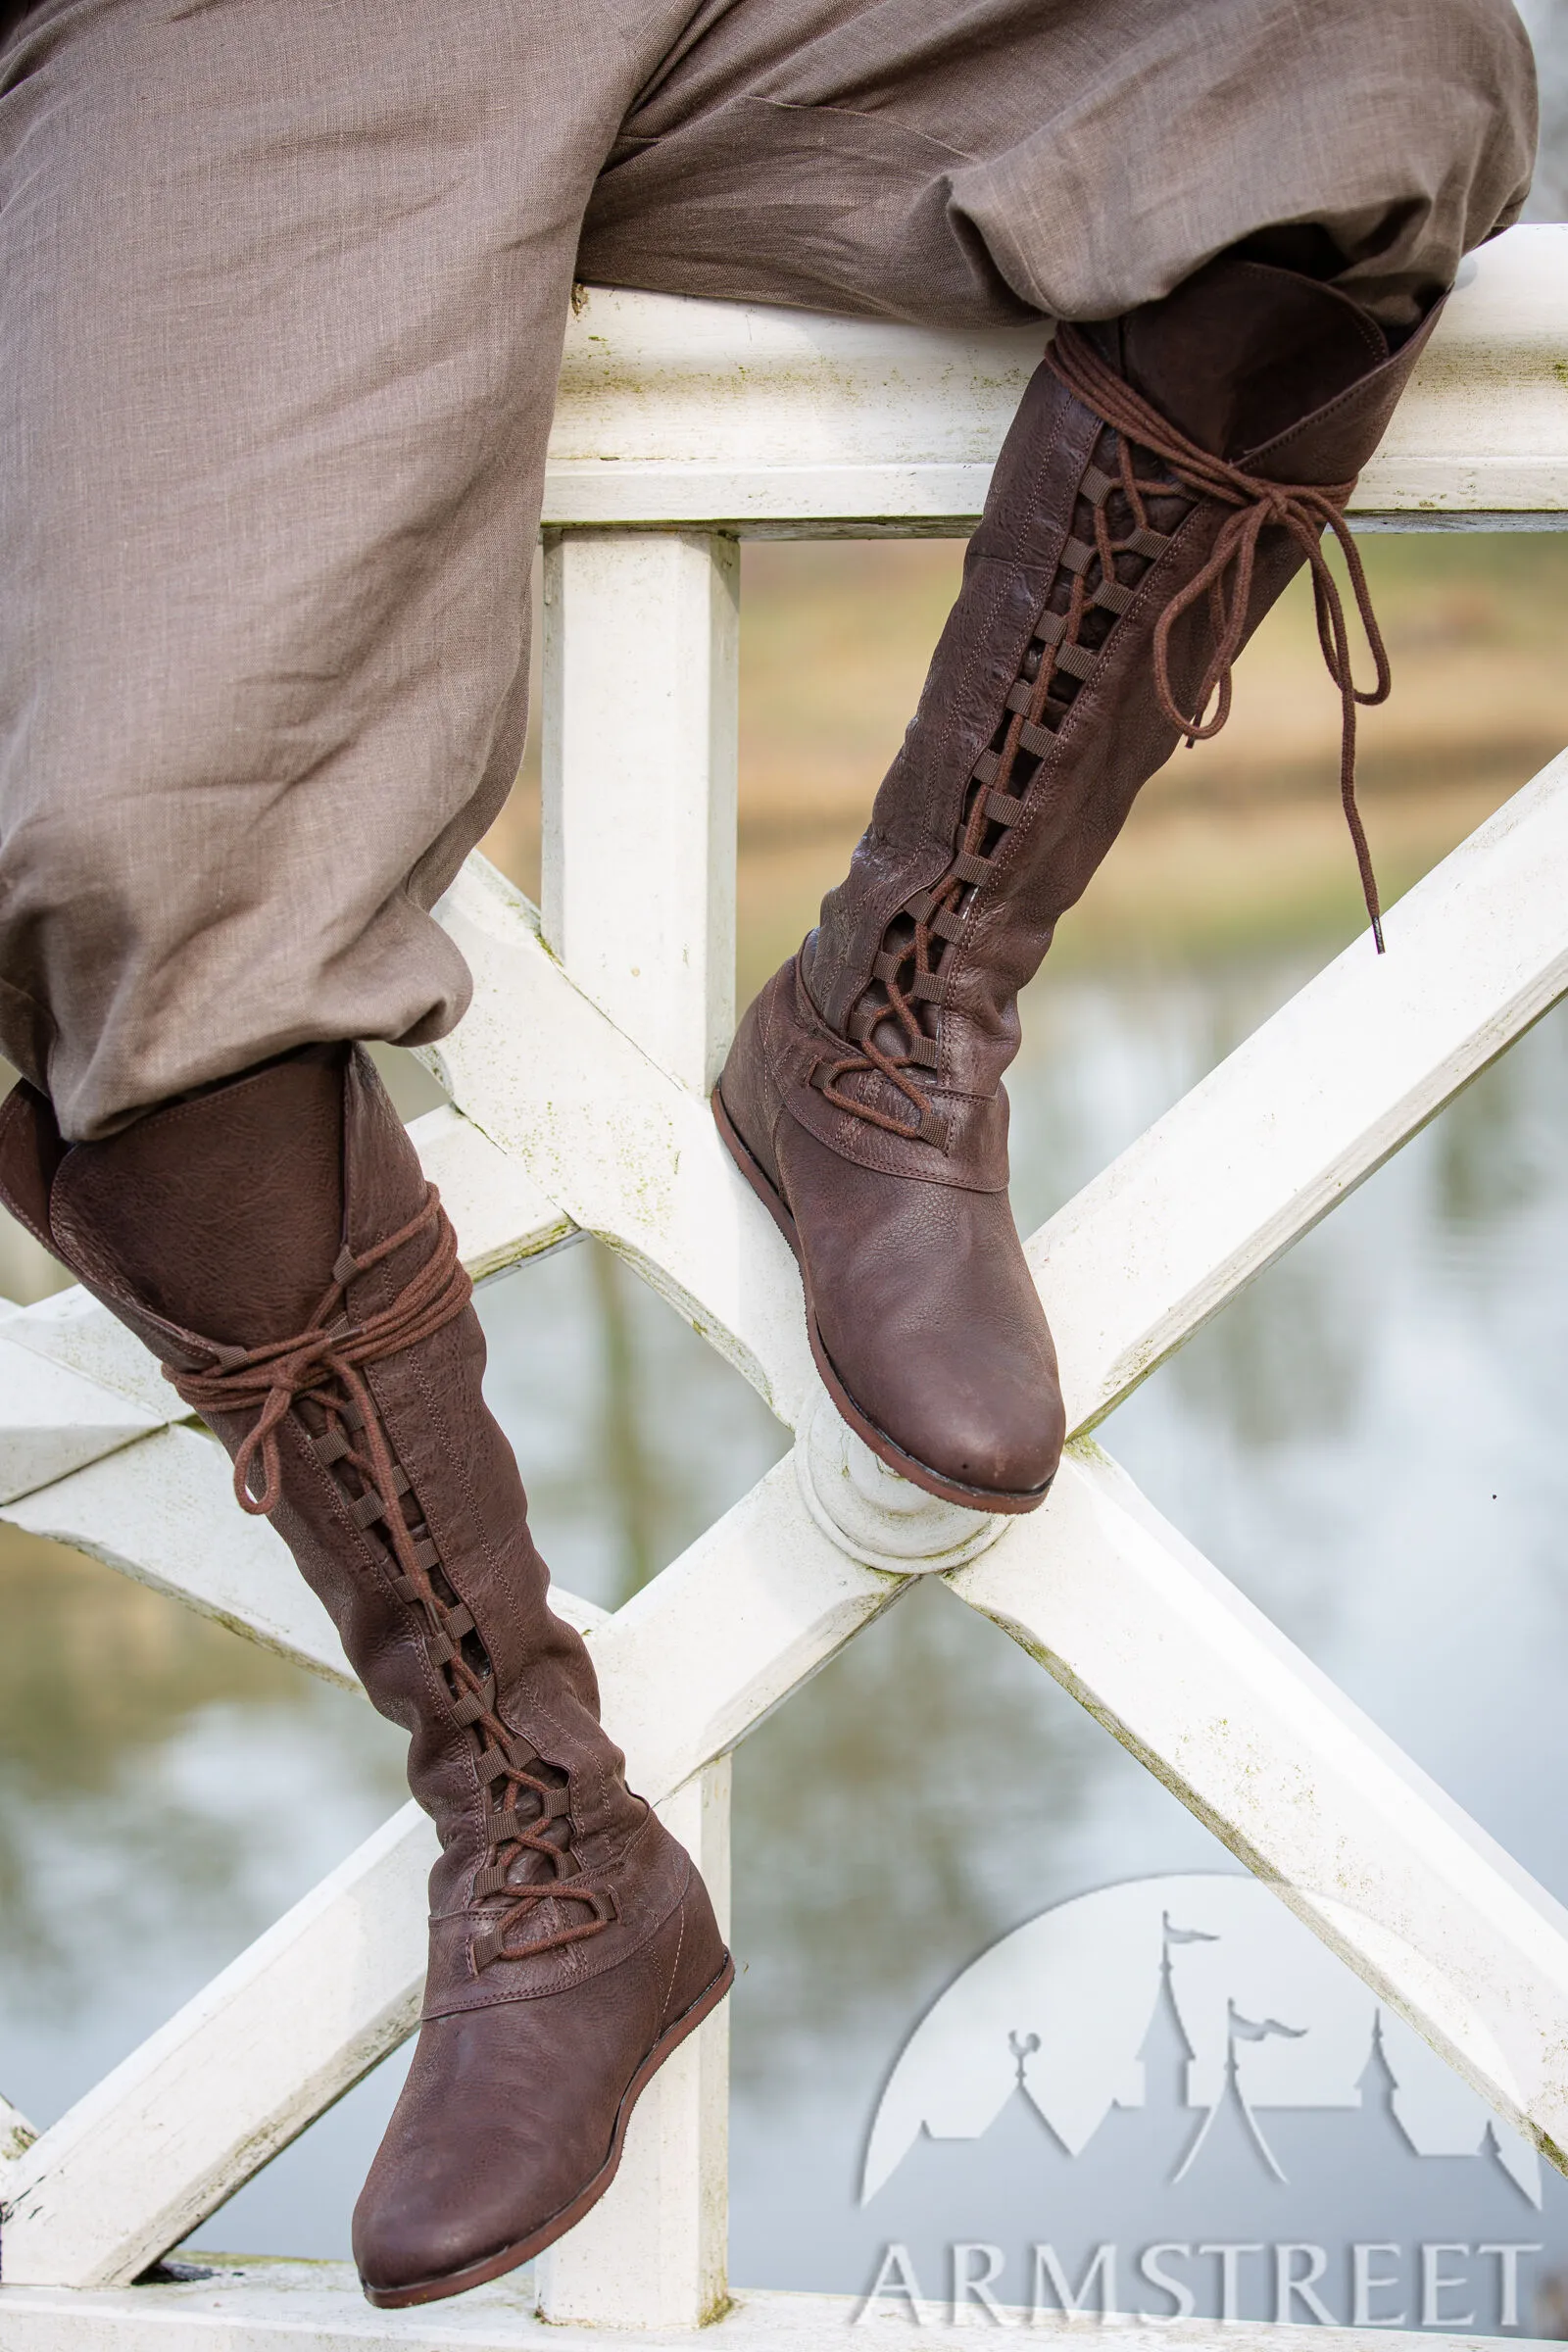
{"type": "Point", "coordinates": [680, 1946]}
{"type": "Point", "coordinates": [586, 1971]}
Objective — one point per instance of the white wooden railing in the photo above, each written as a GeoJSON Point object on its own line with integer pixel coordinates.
{"type": "Point", "coordinates": [577, 1089]}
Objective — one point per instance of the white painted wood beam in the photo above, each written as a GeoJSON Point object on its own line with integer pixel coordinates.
{"type": "Point", "coordinates": [163, 1512]}
{"type": "Point", "coordinates": [759, 1603]}
{"type": "Point", "coordinates": [629, 1153]}
{"type": "Point", "coordinates": [52, 1420]}
{"type": "Point", "coordinates": [1311, 1105]}
{"type": "Point", "coordinates": [652, 2253]}
{"type": "Point", "coordinates": [257, 2306]}
{"type": "Point", "coordinates": [681, 412]}
{"type": "Point", "coordinates": [1304, 1788]}
{"type": "Point", "coordinates": [641, 717]}
{"type": "Point", "coordinates": [72, 1332]}
{"type": "Point", "coordinates": [642, 654]}
{"type": "Point", "coordinates": [501, 1217]}
{"type": "Point", "coordinates": [284, 2030]}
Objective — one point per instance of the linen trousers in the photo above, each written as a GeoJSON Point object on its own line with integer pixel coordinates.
{"type": "Point", "coordinates": [285, 285]}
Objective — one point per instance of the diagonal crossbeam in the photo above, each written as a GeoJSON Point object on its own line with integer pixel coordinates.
{"type": "Point", "coordinates": [1207, 1196]}
{"type": "Point", "coordinates": [628, 1152]}
{"type": "Point", "coordinates": [1096, 1587]}
{"type": "Point", "coordinates": [1280, 1131]}
{"type": "Point", "coordinates": [1311, 1105]}
{"type": "Point", "coordinates": [279, 2034]}
{"type": "Point", "coordinates": [1299, 1784]}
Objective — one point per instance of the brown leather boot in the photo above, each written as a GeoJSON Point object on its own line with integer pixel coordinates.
{"type": "Point", "coordinates": [275, 1242]}
{"type": "Point", "coordinates": [1164, 477]}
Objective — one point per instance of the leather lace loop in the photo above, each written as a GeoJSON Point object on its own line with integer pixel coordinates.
{"type": "Point", "coordinates": [1306, 510]}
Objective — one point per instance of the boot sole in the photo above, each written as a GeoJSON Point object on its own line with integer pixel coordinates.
{"type": "Point", "coordinates": [886, 1449]}
{"type": "Point", "coordinates": [495, 2266]}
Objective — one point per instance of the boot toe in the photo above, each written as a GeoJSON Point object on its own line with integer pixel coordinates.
{"type": "Point", "coordinates": [462, 2182]}
{"type": "Point", "coordinates": [999, 1437]}
{"type": "Point", "coordinates": [923, 1306]}
{"type": "Point", "coordinates": [1004, 1445]}
{"type": "Point", "coordinates": [408, 2235]}
{"type": "Point", "coordinates": [507, 2127]}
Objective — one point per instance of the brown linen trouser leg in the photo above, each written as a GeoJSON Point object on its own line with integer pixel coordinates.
{"type": "Point", "coordinates": [286, 282]}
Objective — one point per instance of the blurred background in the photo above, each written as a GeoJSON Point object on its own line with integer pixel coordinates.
{"type": "Point", "coordinates": [1369, 1441]}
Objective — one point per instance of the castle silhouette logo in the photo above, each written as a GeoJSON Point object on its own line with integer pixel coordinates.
{"type": "Point", "coordinates": [1062, 2007]}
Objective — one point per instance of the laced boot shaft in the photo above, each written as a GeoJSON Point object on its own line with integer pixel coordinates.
{"type": "Point", "coordinates": [1166, 476]}
{"type": "Point", "coordinates": [330, 1418]}
{"type": "Point", "coordinates": [1143, 482]}
{"type": "Point", "coordinates": [277, 1244]}
{"type": "Point", "coordinates": [1122, 522]}
{"type": "Point", "coordinates": [1119, 571]}
{"type": "Point", "coordinates": [321, 1374]}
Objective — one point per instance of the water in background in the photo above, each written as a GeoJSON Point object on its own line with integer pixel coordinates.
{"type": "Point", "coordinates": [1368, 1442]}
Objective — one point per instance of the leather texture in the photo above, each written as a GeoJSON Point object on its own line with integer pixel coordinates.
{"type": "Point", "coordinates": [924, 1319]}
{"type": "Point", "coordinates": [216, 1225]}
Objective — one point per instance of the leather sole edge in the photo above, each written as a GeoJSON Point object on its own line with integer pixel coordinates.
{"type": "Point", "coordinates": [886, 1449]}
{"type": "Point", "coordinates": [511, 2258]}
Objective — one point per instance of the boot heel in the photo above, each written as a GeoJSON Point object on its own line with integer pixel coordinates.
{"type": "Point", "coordinates": [755, 1175]}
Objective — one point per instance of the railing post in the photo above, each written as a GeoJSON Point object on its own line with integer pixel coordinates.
{"type": "Point", "coordinates": [642, 645]}
{"type": "Point", "coordinates": [652, 2253]}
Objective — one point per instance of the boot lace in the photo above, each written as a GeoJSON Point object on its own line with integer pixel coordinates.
{"type": "Point", "coordinates": [1119, 508]}
{"type": "Point", "coordinates": [318, 1372]}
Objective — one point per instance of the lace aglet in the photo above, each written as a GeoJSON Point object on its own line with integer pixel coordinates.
{"type": "Point", "coordinates": [1377, 934]}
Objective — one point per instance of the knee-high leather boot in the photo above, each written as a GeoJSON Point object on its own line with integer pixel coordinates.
{"type": "Point", "coordinates": [1165, 475]}
{"type": "Point", "coordinates": [275, 1242]}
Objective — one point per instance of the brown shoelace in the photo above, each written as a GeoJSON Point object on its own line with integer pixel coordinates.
{"type": "Point", "coordinates": [325, 1364]}
{"type": "Point", "coordinates": [1302, 509]}
{"type": "Point", "coordinates": [910, 971]}
{"type": "Point", "coordinates": [1056, 661]}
